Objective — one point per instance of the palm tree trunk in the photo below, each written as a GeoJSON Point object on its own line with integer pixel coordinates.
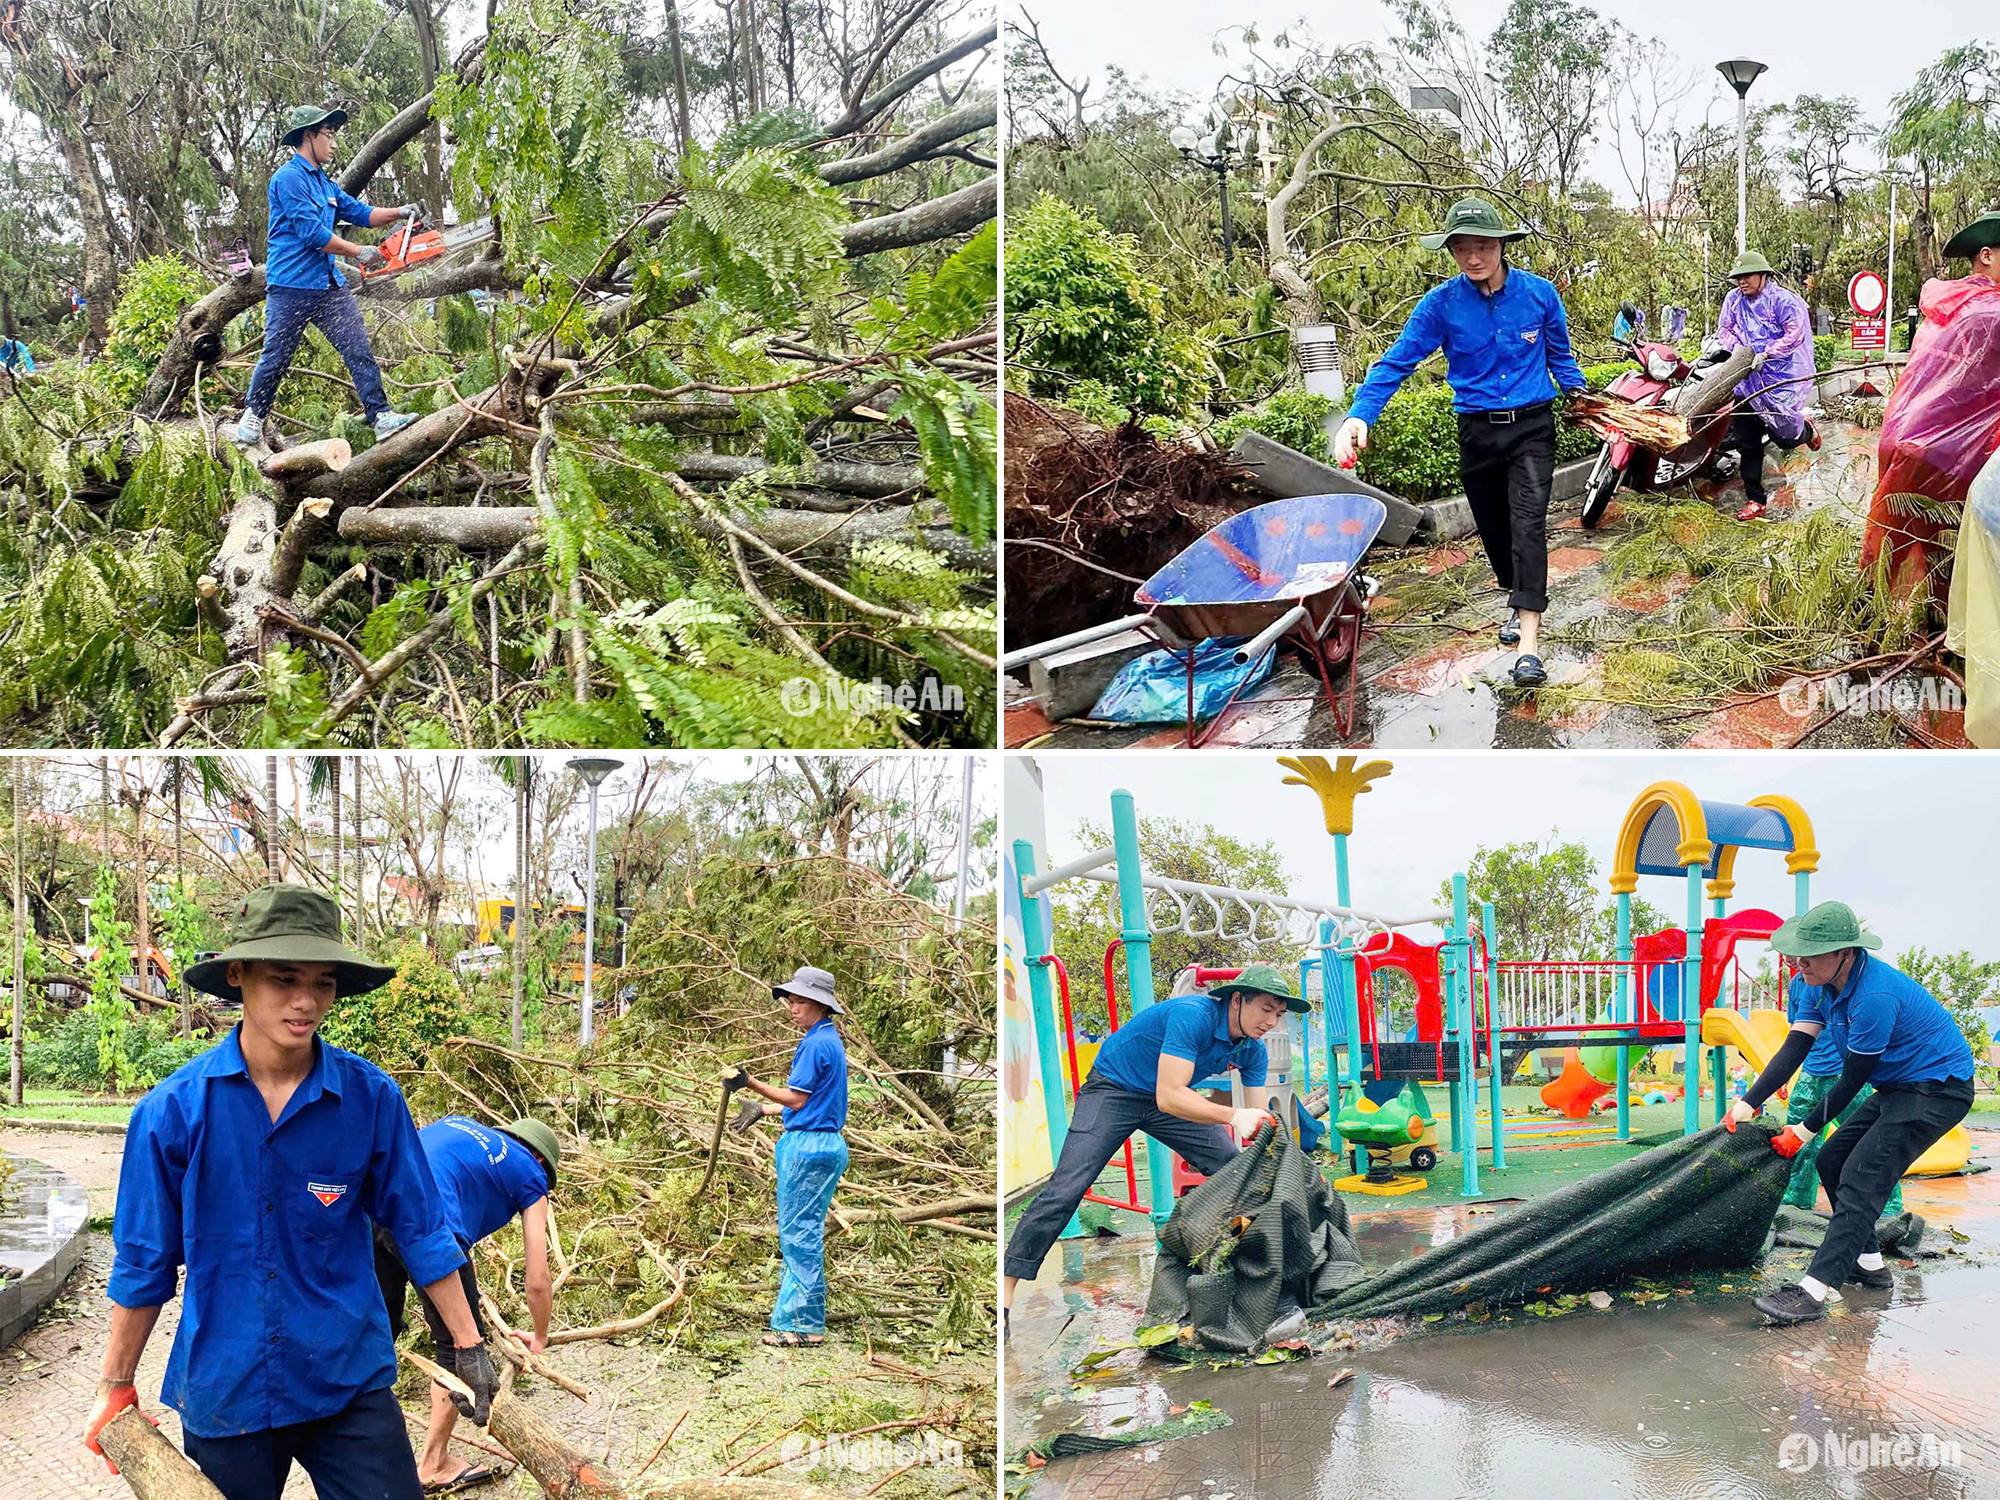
{"type": "Point", "coordinates": [521, 774]}
{"type": "Point", "coordinates": [140, 894]}
{"type": "Point", "coordinates": [14, 1071]}
{"type": "Point", "coordinates": [335, 784]}
{"type": "Point", "coordinates": [180, 888]}
{"type": "Point", "coordinates": [271, 817]}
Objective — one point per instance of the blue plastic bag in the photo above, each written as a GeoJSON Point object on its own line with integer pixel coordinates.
{"type": "Point", "coordinates": [1153, 689]}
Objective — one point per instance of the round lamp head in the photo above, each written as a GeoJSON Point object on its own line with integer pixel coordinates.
{"type": "Point", "coordinates": [1741, 73]}
{"type": "Point", "coordinates": [594, 770]}
{"type": "Point", "coordinates": [1181, 137]}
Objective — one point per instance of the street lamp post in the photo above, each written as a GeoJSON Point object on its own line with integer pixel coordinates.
{"type": "Point", "coordinates": [1217, 152]}
{"type": "Point", "coordinates": [593, 771]}
{"type": "Point", "coordinates": [1741, 73]}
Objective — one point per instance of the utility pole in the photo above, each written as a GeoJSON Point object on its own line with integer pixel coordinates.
{"type": "Point", "coordinates": [1741, 73]}
{"type": "Point", "coordinates": [14, 1078]}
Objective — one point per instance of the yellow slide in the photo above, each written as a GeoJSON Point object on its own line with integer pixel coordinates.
{"type": "Point", "coordinates": [1758, 1034]}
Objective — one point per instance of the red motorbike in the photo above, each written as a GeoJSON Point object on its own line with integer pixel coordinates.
{"type": "Point", "coordinates": [1703, 392]}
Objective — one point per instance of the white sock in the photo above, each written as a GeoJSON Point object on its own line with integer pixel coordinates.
{"type": "Point", "coordinates": [1815, 1289]}
{"type": "Point", "coordinates": [1872, 1261]}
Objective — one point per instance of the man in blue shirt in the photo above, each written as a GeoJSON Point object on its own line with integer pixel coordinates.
{"type": "Point", "coordinates": [485, 1176]}
{"type": "Point", "coordinates": [301, 284]}
{"type": "Point", "coordinates": [257, 1167]}
{"type": "Point", "coordinates": [1506, 348]}
{"type": "Point", "coordinates": [812, 1152]}
{"type": "Point", "coordinates": [15, 357]}
{"type": "Point", "coordinates": [1816, 1080]}
{"type": "Point", "coordinates": [1897, 1037]}
{"type": "Point", "coordinates": [1143, 1080]}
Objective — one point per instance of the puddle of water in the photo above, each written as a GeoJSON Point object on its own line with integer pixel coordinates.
{"type": "Point", "coordinates": [41, 1215]}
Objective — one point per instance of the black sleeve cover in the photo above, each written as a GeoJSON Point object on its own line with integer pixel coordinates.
{"type": "Point", "coordinates": [1783, 1064]}
{"type": "Point", "coordinates": [1854, 1072]}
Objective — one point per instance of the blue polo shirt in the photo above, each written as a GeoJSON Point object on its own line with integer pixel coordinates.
{"type": "Point", "coordinates": [305, 204]}
{"type": "Point", "coordinates": [1194, 1027]}
{"type": "Point", "coordinates": [484, 1175]}
{"type": "Point", "coordinates": [819, 1068]}
{"type": "Point", "coordinates": [281, 1318]}
{"type": "Point", "coordinates": [1829, 1054]}
{"type": "Point", "coordinates": [1882, 1010]}
{"type": "Point", "coordinates": [1502, 350]}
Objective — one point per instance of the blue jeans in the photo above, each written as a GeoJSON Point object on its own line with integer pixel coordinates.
{"type": "Point", "coordinates": [287, 310]}
{"type": "Point", "coordinates": [361, 1452]}
{"type": "Point", "coordinates": [810, 1164]}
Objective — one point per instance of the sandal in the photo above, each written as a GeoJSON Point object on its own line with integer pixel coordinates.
{"type": "Point", "coordinates": [1752, 512]}
{"type": "Point", "coordinates": [786, 1339]}
{"type": "Point", "coordinates": [465, 1479]}
{"type": "Point", "coordinates": [1529, 671]}
{"type": "Point", "coordinates": [1510, 633]}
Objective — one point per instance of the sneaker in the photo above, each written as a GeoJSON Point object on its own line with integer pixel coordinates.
{"type": "Point", "coordinates": [1529, 671]}
{"type": "Point", "coordinates": [250, 429]}
{"type": "Point", "coordinates": [392, 421]}
{"type": "Point", "coordinates": [1789, 1305]}
{"type": "Point", "coordinates": [1883, 1280]}
{"type": "Point", "coordinates": [1510, 633]}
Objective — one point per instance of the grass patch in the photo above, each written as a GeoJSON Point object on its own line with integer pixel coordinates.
{"type": "Point", "coordinates": [62, 1104]}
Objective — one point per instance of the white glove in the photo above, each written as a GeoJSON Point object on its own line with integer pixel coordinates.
{"type": "Point", "coordinates": [1741, 1112]}
{"type": "Point", "coordinates": [1759, 359]}
{"type": "Point", "coordinates": [1349, 441]}
{"type": "Point", "coordinates": [1244, 1123]}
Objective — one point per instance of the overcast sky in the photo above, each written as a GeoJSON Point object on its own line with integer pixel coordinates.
{"type": "Point", "coordinates": [1832, 47]}
{"type": "Point", "coordinates": [1907, 839]}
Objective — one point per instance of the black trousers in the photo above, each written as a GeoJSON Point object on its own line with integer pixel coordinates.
{"type": "Point", "coordinates": [394, 1280]}
{"type": "Point", "coordinates": [361, 1452]}
{"type": "Point", "coordinates": [1746, 435]}
{"type": "Point", "coordinates": [1868, 1155]}
{"type": "Point", "coordinates": [1508, 469]}
{"type": "Point", "coordinates": [1104, 1118]}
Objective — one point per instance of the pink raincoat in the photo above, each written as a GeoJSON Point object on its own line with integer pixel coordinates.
{"type": "Point", "coordinates": [1941, 425]}
{"type": "Point", "coordinates": [1775, 323]}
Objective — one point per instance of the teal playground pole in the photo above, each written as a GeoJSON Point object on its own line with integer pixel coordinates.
{"type": "Point", "coordinates": [1460, 989]}
{"type": "Point", "coordinates": [1627, 1003]}
{"type": "Point", "coordinates": [1802, 893]}
{"type": "Point", "coordinates": [1137, 932]}
{"type": "Point", "coordinates": [1691, 1006]}
{"type": "Point", "coordinates": [1352, 996]}
{"type": "Point", "coordinates": [1492, 927]}
{"type": "Point", "coordinates": [1048, 1057]}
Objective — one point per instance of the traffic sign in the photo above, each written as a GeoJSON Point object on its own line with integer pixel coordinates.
{"type": "Point", "coordinates": [1869, 333]}
{"type": "Point", "coordinates": [1867, 294]}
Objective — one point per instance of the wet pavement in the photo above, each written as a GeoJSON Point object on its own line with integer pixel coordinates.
{"type": "Point", "coordinates": [1688, 1395]}
{"type": "Point", "coordinates": [42, 1213]}
{"type": "Point", "coordinates": [1443, 683]}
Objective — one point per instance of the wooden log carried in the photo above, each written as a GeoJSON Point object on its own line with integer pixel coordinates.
{"type": "Point", "coordinates": [151, 1465]}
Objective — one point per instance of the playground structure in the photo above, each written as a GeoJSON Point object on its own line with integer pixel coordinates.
{"type": "Point", "coordinates": [1475, 1017]}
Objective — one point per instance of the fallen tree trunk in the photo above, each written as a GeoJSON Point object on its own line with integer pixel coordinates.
{"type": "Point", "coordinates": [150, 1465]}
{"type": "Point", "coordinates": [873, 480]}
{"type": "Point", "coordinates": [473, 527]}
{"type": "Point", "coordinates": [967, 119]}
{"type": "Point", "coordinates": [328, 456]}
{"type": "Point", "coordinates": [941, 218]}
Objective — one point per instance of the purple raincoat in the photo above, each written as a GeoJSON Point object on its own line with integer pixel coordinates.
{"type": "Point", "coordinates": [1776, 323]}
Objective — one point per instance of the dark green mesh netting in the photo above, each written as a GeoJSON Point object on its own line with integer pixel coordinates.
{"type": "Point", "coordinates": [1265, 1240]}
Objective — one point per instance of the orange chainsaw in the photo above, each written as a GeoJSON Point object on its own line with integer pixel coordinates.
{"type": "Point", "coordinates": [415, 242]}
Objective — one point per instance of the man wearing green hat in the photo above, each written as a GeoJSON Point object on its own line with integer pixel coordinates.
{"type": "Point", "coordinates": [1770, 320]}
{"type": "Point", "coordinates": [301, 284]}
{"type": "Point", "coordinates": [1943, 419]}
{"type": "Point", "coordinates": [1893, 1034]}
{"type": "Point", "coordinates": [1506, 347]}
{"type": "Point", "coordinates": [256, 1168]}
{"type": "Point", "coordinates": [486, 1176]}
{"type": "Point", "coordinates": [1143, 1080]}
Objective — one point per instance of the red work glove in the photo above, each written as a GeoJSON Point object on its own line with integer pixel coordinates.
{"type": "Point", "coordinates": [1788, 1142]}
{"type": "Point", "coordinates": [111, 1400]}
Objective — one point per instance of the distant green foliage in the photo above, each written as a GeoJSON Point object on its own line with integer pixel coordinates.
{"type": "Point", "coordinates": [108, 960]}
{"type": "Point", "coordinates": [67, 1057]}
{"type": "Point", "coordinates": [1824, 355]}
{"type": "Point", "coordinates": [1291, 417]}
{"type": "Point", "coordinates": [1079, 306]}
{"type": "Point", "coordinates": [397, 1025]}
{"type": "Point", "coordinates": [150, 299]}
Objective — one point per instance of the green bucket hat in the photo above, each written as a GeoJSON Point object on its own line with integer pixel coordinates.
{"type": "Point", "coordinates": [289, 924]}
{"type": "Point", "coordinates": [1472, 216]}
{"type": "Point", "coordinates": [1827, 928]}
{"type": "Point", "coordinates": [303, 117]}
{"type": "Point", "coordinates": [1750, 263]}
{"type": "Point", "coordinates": [539, 1139]}
{"type": "Point", "coordinates": [1975, 237]}
{"type": "Point", "coordinates": [1261, 979]}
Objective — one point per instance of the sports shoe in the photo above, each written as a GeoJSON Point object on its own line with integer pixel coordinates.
{"type": "Point", "coordinates": [392, 421]}
{"type": "Point", "coordinates": [250, 429]}
{"type": "Point", "coordinates": [1510, 633]}
{"type": "Point", "coordinates": [1788, 1305]}
{"type": "Point", "coordinates": [1883, 1280]}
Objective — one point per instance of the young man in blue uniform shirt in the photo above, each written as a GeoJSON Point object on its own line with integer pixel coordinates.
{"type": "Point", "coordinates": [1896, 1036]}
{"type": "Point", "coordinates": [301, 284]}
{"type": "Point", "coordinates": [1817, 1078]}
{"type": "Point", "coordinates": [1143, 1080]}
{"type": "Point", "coordinates": [1506, 347]}
{"type": "Point", "coordinates": [812, 1152]}
{"type": "Point", "coordinates": [486, 1175]}
{"type": "Point", "coordinates": [257, 1167]}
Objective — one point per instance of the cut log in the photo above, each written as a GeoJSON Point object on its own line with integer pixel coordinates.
{"type": "Point", "coordinates": [150, 1465]}
{"type": "Point", "coordinates": [329, 455]}
{"type": "Point", "coordinates": [468, 526]}
{"type": "Point", "coordinates": [799, 531]}
{"type": "Point", "coordinates": [873, 480]}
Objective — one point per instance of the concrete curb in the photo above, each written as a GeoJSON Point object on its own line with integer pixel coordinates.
{"type": "Point", "coordinates": [46, 1228]}
{"type": "Point", "coordinates": [1448, 520]}
{"type": "Point", "coordinates": [67, 1127]}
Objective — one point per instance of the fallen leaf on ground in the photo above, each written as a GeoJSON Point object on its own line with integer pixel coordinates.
{"type": "Point", "coordinates": [1341, 1379]}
